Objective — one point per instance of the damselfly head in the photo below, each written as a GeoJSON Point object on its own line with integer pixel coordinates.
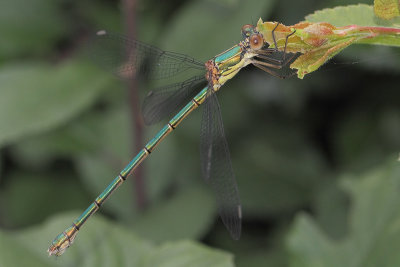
{"type": "Point", "coordinates": [256, 41]}
{"type": "Point", "coordinates": [247, 30]}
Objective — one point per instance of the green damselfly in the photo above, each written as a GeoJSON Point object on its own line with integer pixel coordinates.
{"type": "Point", "coordinates": [130, 58]}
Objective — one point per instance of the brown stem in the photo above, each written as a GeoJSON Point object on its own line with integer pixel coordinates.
{"type": "Point", "coordinates": [139, 183]}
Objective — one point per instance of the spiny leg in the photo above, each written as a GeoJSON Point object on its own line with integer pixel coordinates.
{"type": "Point", "coordinates": [269, 51]}
{"type": "Point", "coordinates": [273, 36]}
{"type": "Point", "coordinates": [286, 42]}
{"type": "Point", "coordinates": [274, 63]}
{"type": "Point", "coordinates": [266, 64]}
{"type": "Point", "coordinates": [273, 73]}
{"type": "Point", "coordinates": [270, 59]}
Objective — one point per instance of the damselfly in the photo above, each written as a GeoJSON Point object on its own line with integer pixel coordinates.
{"type": "Point", "coordinates": [131, 58]}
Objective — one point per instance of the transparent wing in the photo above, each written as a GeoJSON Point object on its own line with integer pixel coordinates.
{"type": "Point", "coordinates": [165, 101]}
{"type": "Point", "coordinates": [128, 58]}
{"type": "Point", "coordinates": [217, 166]}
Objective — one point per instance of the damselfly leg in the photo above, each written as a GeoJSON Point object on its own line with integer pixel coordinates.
{"type": "Point", "coordinates": [266, 63]}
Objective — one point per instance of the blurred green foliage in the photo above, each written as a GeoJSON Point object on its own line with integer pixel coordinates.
{"type": "Point", "coordinates": [315, 159]}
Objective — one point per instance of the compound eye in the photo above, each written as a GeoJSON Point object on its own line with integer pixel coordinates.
{"type": "Point", "coordinates": [247, 30]}
{"type": "Point", "coordinates": [256, 41]}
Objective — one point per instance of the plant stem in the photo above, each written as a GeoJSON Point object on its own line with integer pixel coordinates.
{"type": "Point", "coordinates": [139, 183]}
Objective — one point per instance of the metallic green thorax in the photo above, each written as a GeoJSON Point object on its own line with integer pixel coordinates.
{"type": "Point", "coordinates": [222, 68]}
{"type": "Point", "coordinates": [228, 54]}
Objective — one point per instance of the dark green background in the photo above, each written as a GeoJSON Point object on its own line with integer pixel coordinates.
{"type": "Point", "coordinates": [66, 131]}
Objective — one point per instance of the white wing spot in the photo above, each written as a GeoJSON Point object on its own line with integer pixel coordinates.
{"type": "Point", "coordinates": [240, 211]}
{"type": "Point", "coordinates": [208, 167]}
{"type": "Point", "coordinates": [102, 32]}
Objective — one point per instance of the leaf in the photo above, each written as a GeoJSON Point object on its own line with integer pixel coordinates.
{"type": "Point", "coordinates": [188, 214]}
{"type": "Point", "coordinates": [37, 97]}
{"type": "Point", "coordinates": [11, 251]}
{"type": "Point", "coordinates": [373, 237]}
{"type": "Point", "coordinates": [314, 59]}
{"type": "Point", "coordinates": [364, 136]}
{"type": "Point", "coordinates": [331, 207]}
{"type": "Point", "coordinates": [187, 253]}
{"type": "Point", "coordinates": [324, 35]}
{"type": "Point", "coordinates": [262, 256]}
{"type": "Point", "coordinates": [103, 243]}
{"type": "Point", "coordinates": [30, 27]}
{"type": "Point", "coordinates": [386, 33]}
{"type": "Point", "coordinates": [275, 177]}
{"type": "Point", "coordinates": [361, 15]}
{"type": "Point", "coordinates": [67, 141]}
{"type": "Point", "coordinates": [100, 243]}
{"type": "Point", "coordinates": [37, 189]}
{"type": "Point", "coordinates": [386, 9]}
{"type": "Point", "coordinates": [102, 15]}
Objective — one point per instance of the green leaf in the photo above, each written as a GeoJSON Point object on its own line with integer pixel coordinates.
{"type": "Point", "coordinates": [37, 97]}
{"type": "Point", "coordinates": [188, 214]}
{"type": "Point", "coordinates": [373, 237]}
{"type": "Point", "coordinates": [99, 243]}
{"type": "Point", "coordinates": [103, 243]}
{"type": "Point", "coordinates": [363, 138]}
{"type": "Point", "coordinates": [68, 141]}
{"type": "Point", "coordinates": [280, 175]}
{"type": "Point", "coordinates": [37, 189]}
{"type": "Point", "coordinates": [29, 27]}
{"type": "Point", "coordinates": [386, 9]}
{"type": "Point", "coordinates": [75, 138]}
{"type": "Point", "coordinates": [361, 15]}
{"type": "Point", "coordinates": [331, 207]}
{"type": "Point", "coordinates": [11, 251]}
{"type": "Point", "coordinates": [102, 15]}
{"type": "Point", "coordinates": [187, 253]}
{"type": "Point", "coordinates": [262, 256]}
{"type": "Point", "coordinates": [326, 33]}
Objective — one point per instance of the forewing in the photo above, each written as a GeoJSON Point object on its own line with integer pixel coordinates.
{"type": "Point", "coordinates": [217, 166]}
{"type": "Point", "coordinates": [129, 58]}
